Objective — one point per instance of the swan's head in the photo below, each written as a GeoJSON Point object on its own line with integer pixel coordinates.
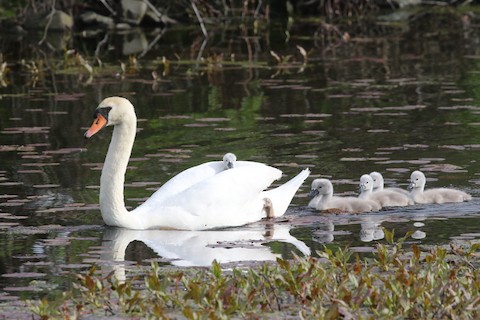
{"type": "Point", "coordinates": [229, 160]}
{"type": "Point", "coordinates": [111, 111]}
{"type": "Point", "coordinates": [377, 180]}
{"type": "Point", "coordinates": [366, 183]}
{"type": "Point", "coordinates": [321, 187]}
{"type": "Point", "coordinates": [417, 180]}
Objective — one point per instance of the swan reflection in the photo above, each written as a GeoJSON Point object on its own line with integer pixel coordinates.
{"type": "Point", "coordinates": [200, 248]}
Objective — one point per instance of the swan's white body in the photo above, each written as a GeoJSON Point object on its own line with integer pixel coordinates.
{"type": "Point", "coordinates": [203, 197]}
{"type": "Point", "coordinates": [323, 199]}
{"type": "Point", "coordinates": [385, 198]}
{"type": "Point", "coordinates": [436, 195]}
{"type": "Point", "coordinates": [378, 184]}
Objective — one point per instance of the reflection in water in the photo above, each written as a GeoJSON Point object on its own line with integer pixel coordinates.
{"type": "Point", "coordinates": [371, 229]}
{"type": "Point", "coordinates": [418, 234]}
{"type": "Point", "coordinates": [200, 248]}
{"type": "Point", "coordinates": [324, 233]}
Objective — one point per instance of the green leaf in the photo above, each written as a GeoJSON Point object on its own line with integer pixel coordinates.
{"type": "Point", "coordinates": [216, 269]}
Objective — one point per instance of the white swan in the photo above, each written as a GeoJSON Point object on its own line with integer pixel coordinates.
{"type": "Point", "coordinates": [323, 199]}
{"type": "Point", "coordinates": [378, 183]}
{"type": "Point", "coordinates": [436, 195]}
{"type": "Point", "coordinates": [385, 198]}
{"type": "Point", "coordinates": [203, 197]}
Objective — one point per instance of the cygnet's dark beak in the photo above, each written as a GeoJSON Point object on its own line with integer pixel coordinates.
{"type": "Point", "coordinates": [313, 193]}
{"type": "Point", "coordinates": [229, 164]}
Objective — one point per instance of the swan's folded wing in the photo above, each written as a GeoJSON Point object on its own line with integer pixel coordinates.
{"type": "Point", "coordinates": [224, 199]}
{"type": "Point", "coordinates": [185, 180]}
{"type": "Point", "coordinates": [227, 190]}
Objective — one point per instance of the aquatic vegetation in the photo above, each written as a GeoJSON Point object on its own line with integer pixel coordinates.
{"type": "Point", "coordinates": [441, 282]}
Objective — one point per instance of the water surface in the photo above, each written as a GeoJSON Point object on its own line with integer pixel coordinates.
{"type": "Point", "coordinates": [390, 100]}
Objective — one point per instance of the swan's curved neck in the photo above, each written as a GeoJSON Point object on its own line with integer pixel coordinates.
{"type": "Point", "coordinates": [112, 204]}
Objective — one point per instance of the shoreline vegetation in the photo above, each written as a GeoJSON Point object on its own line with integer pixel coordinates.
{"type": "Point", "coordinates": [398, 281]}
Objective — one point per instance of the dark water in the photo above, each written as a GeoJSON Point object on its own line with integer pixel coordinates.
{"type": "Point", "coordinates": [396, 98]}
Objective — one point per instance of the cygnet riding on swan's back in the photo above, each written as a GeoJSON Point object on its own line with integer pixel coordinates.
{"type": "Point", "coordinates": [436, 195]}
{"type": "Point", "coordinates": [385, 198]}
{"type": "Point", "coordinates": [202, 197]}
{"type": "Point", "coordinates": [378, 183]}
{"type": "Point", "coordinates": [229, 160]}
{"type": "Point", "coordinates": [323, 199]}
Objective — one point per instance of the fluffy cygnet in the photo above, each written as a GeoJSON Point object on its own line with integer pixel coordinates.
{"type": "Point", "coordinates": [386, 198]}
{"type": "Point", "coordinates": [323, 199]}
{"type": "Point", "coordinates": [378, 184]}
{"type": "Point", "coordinates": [436, 195]}
{"type": "Point", "coordinates": [229, 160]}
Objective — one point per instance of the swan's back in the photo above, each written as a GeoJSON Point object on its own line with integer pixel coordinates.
{"type": "Point", "coordinates": [192, 176]}
{"type": "Point", "coordinates": [442, 195]}
{"type": "Point", "coordinates": [352, 204]}
{"type": "Point", "coordinates": [225, 199]}
{"type": "Point", "coordinates": [389, 198]}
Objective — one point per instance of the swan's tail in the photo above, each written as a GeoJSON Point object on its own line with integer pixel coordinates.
{"type": "Point", "coordinates": [283, 195]}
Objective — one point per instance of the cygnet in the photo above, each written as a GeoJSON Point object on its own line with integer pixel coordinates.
{"type": "Point", "coordinates": [323, 199]}
{"type": "Point", "coordinates": [386, 198]}
{"type": "Point", "coordinates": [229, 160]}
{"type": "Point", "coordinates": [378, 184]}
{"type": "Point", "coordinates": [436, 195]}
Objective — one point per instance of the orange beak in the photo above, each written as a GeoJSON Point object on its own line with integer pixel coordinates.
{"type": "Point", "coordinates": [97, 125]}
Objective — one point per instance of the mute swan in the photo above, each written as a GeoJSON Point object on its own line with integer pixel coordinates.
{"type": "Point", "coordinates": [437, 195]}
{"type": "Point", "coordinates": [385, 198]}
{"type": "Point", "coordinates": [202, 197]}
{"type": "Point", "coordinates": [378, 183]}
{"type": "Point", "coordinates": [323, 199]}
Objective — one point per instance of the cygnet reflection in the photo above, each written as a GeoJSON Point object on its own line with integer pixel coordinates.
{"type": "Point", "coordinates": [200, 248]}
{"type": "Point", "coordinates": [324, 232]}
{"type": "Point", "coordinates": [371, 229]}
{"type": "Point", "coordinates": [418, 234]}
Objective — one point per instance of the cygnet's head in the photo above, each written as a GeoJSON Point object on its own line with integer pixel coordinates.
{"type": "Point", "coordinates": [366, 183]}
{"type": "Point", "coordinates": [377, 180]}
{"type": "Point", "coordinates": [111, 111]}
{"type": "Point", "coordinates": [417, 180]}
{"type": "Point", "coordinates": [229, 160]}
{"type": "Point", "coordinates": [321, 187]}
